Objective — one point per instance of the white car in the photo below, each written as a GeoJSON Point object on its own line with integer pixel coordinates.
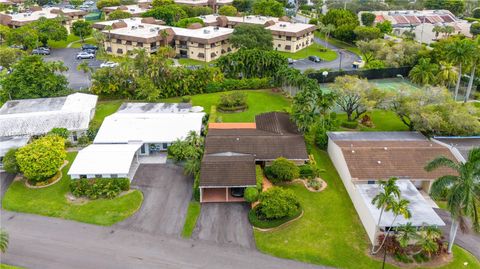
{"type": "Point", "coordinates": [109, 64]}
{"type": "Point", "coordinates": [85, 55]}
{"type": "Point", "coordinates": [89, 3]}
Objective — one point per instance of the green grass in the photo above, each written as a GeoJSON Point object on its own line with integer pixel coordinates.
{"type": "Point", "coordinates": [103, 109]}
{"type": "Point", "coordinates": [340, 44]}
{"type": "Point", "coordinates": [193, 212]}
{"type": "Point", "coordinates": [315, 50]}
{"type": "Point", "coordinates": [78, 45]}
{"type": "Point", "coordinates": [51, 201]}
{"type": "Point", "coordinates": [383, 120]}
{"type": "Point", "coordinates": [330, 232]}
{"type": "Point", "coordinates": [259, 101]}
{"type": "Point", "coordinates": [6, 266]}
{"type": "Point", "coordinates": [189, 62]}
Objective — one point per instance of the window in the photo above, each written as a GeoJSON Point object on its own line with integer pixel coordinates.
{"type": "Point", "coordinates": [119, 51]}
{"type": "Point", "coordinates": [119, 41]}
{"type": "Point", "coordinates": [114, 175]}
{"type": "Point", "coordinates": [109, 49]}
{"type": "Point", "coordinates": [139, 44]}
{"type": "Point", "coordinates": [83, 176]}
{"type": "Point", "coordinates": [74, 136]}
{"type": "Point", "coordinates": [371, 182]}
{"type": "Point", "coordinates": [289, 38]}
{"type": "Point", "coordinates": [98, 176]}
{"type": "Point", "coordinates": [279, 45]}
{"type": "Point", "coordinates": [164, 145]}
{"type": "Point", "coordinates": [201, 45]}
{"type": "Point", "coordinates": [128, 42]}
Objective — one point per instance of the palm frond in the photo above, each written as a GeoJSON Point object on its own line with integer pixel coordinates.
{"type": "Point", "coordinates": [442, 161]}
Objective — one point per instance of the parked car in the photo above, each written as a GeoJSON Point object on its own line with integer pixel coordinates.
{"type": "Point", "coordinates": [92, 51]}
{"type": "Point", "coordinates": [20, 47]}
{"type": "Point", "coordinates": [41, 51]}
{"type": "Point", "coordinates": [237, 192]}
{"type": "Point", "coordinates": [89, 47]}
{"type": "Point", "coordinates": [315, 59]}
{"type": "Point", "coordinates": [83, 7]}
{"type": "Point", "coordinates": [109, 64]}
{"type": "Point", "coordinates": [290, 61]}
{"type": "Point", "coordinates": [90, 3]}
{"type": "Point", "coordinates": [69, 6]}
{"type": "Point", "coordinates": [85, 55]}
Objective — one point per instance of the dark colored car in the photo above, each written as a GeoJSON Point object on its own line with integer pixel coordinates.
{"type": "Point", "coordinates": [290, 61]}
{"type": "Point", "coordinates": [237, 192]}
{"type": "Point", "coordinates": [314, 59]}
{"type": "Point", "coordinates": [92, 51]}
{"type": "Point", "coordinates": [41, 51]}
{"type": "Point", "coordinates": [89, 47]}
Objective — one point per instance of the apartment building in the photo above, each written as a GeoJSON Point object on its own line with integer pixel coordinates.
{"type": "Point", "coordinates": [135, 10]}
{"type": "Point", "coordinates": [287, 36]}
{"type": "Point", "coordinates": [197, 42]}
{"type": "Point", "coordinates": [19, 19]}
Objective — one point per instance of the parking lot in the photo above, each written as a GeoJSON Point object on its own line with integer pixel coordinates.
{"type": "Point", "coordinates": [224, 224]}
{"type": "Point", "coordinates": [77, 80]}
{"type": "Point", "coordinates": [167, 192]}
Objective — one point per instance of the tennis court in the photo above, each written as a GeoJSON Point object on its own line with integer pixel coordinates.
{"type": "Point", "coordinates": [393, 84]}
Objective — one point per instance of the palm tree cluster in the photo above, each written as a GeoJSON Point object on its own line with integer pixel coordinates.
{"type": "Point", "coordinates": [462, 190]}
{"type": "Point", "coordinates": [412, 240]}
{"type": "Point", "coordinates": [460, 55]}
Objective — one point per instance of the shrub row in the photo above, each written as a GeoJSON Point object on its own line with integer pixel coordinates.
{"type": "Point", "coordinates": [349, 124]}
{"type": "Point", "coordinates": [238, 84]}
{"type": "Point", "coordinates": [266, 224]}
{"type": "Point", "coordinates": [99, 187]}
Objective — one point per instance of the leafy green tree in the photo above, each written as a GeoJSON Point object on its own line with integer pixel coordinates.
{"type": "Point", "coordinates": [251, 194]}
{"type": "Point", "coordinates": [455, 6]}
{"type": "Point", "coordinates": [157, 3]}
{"type": "Point", "coordinates": [460, 52]}
{"type": "Point", "coordinates": [8, 56]}
{"type": "Point", "coordinates": [251, 63]}
{"type": "Point", "coordinates": [170, 14]}
{"type": "Point", "coordinates": [49, 29]}
{"type": "Point", "coordinates": [34, 78]}
{"type": "Point", "coordinates": [355, 96]}
{"type": "Point", "coordinates": [185, 23]}
{"type": "Point", "coordinates": [118, 15]}
{"type": "Point", "coordinates": [41, 159]}
{"type": "Point", "coordinates": [62, 132]}
{"type": "Point", "coordinates": [475, 29]}
{"type": "Point", "coordinates": [367, 18]}
{"type": "Point", "coordinates": [385, 27]}
{"type": "Point", "coordinates": [251, 36]}
{"type": "Point", "coordinates": [227, 11]}
{"type": "Point", "coordinates": [25, 35]}
{"type": "Point", "coordinates": [3, 240]}
{"type": "Point", "coordinates": [243, 5]}
{"type": "Point", "coordinates": [196, 11]}
{"type": "Point", "coordinates": [367, 33]}
{"type": "Point", "coordinates": [108, 3]}
{"type": "Point", "coordinates": [268, 8]}
{"type": "Point", "coordinates": [476, 13]}
{"type": "Point", "coordinates": [277, 203]}
{"type": "Point", "coordinates": [75, 3]}
{"type": "Point", "coordinates": [344, 22]}
{"type": "Point", "coordinates": [370, 48]}
{"type": "Point", "coordinates": [424, 73]}
{"type": "Point", "coordinates": [4, 31]}
{"type": "Point", "coordinates": [463, 190]}
{"type": "Point", "coordinates": [10, 161]}
{"type": "Point", "coordinates": [82, 29]}
{"type": "Point", "coordinates": [282, 170]}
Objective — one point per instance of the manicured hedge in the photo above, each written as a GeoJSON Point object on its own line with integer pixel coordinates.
{"type": "Point", "coordinates": [99, 187]}
{"type": "Point", "coordinates": [350, 124]}
{"type": "Point", "coordinates": [267, 224]}
{"type": "Point", "coordinates": [238, 84]}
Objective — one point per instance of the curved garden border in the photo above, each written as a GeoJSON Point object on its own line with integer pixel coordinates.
{"type": "Point", "coordinates": [237, 109]}
{"type": "Point", "coordinates": [305, 183]}
{"type": "Point", "coordinates": [50, 184]}
{"type": "Point", "coordinates": [279, 226]}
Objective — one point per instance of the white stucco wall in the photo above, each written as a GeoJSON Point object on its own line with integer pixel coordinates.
{"type": "Point", "coordinates": [370, 224]}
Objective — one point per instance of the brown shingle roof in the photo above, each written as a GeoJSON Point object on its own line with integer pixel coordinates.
{"type": "Point", "coordinates": [233, 170]}
{"type": "Point", "coordinates": [276, 122]}
{"type": "Point", "coordinates": [373, 160]}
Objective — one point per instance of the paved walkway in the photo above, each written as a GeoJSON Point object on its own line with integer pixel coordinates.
{"type": "Point", "coordinates": [469, 241]}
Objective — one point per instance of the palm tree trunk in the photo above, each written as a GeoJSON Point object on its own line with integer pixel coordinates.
{"type": "Point", "coordinates": [458, 81]}
{"type": "Point", "coordinates": [470, 84]}
{"type": "Point", "coordinates": [453, 234]}
{"type": "Point", "coordinates": [378, 225]}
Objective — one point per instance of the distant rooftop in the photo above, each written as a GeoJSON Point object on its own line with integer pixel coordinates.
{"type": "Point", "coordinates": [10, 142]}
{"type": "Point", "coordinates": [32, 105]}
{"type": "Point", "coordinates": [132, 9]}
{"type": "Point", "coordinates": [158, 108]}
{"type": "Point", "coordinates": [376, 136]}
{"type": "Point", "coordinates": [462, 144]}
{"type": "Point", "coordinates": [49, 13]}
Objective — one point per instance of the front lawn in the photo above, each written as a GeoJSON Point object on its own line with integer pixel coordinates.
{"type": "Point", "coordinates": [51, 201]}
{"type": "Point", "coordinates": [192, 62]}
{"type": "Point", "coordinates": [330, 232]}
{"type": "Point", "coordinates": [312, 50]}
{"type": "Point", "coordinates": [383, 120]}
{"type": "Point", "coordinates": [340, 44]}
{"type": "Point", "coordinates": [64, 43]}
{"type": "Point", "coordinates": [193, 212]}
{"type": "Point", "coordinates": [104, 109]}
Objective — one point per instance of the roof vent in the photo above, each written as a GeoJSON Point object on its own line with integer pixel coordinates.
{"type": "Point", "coordinates": [353, 151]}
{"type": "Point", "coordinates": [238, 138]}
{"type": "Point", "coordinates": [379, 162]}
{"type": "Point", "coordinates": [385, 148]}
{"type": "Point", "coordinates": [206, 31]}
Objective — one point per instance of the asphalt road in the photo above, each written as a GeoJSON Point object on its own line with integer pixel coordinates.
{"type": "Point", "coordinates": [225, 224]}
{"type": "Point", "coordinates": [51, 243]}
{"type": "Point", "coordinates": [77, 80]}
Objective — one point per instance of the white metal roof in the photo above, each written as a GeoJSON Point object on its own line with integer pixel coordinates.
{"type": "Point", "coordinates": [104, 159]}
{"type": "Point", "coordinates": [39, 116]}
{"type": "Point", "coordinates": [422, 212]}
{"type": "Point", "coordinates": [10, 142]}
{"type": "Point", "coordinates": [149, 127]}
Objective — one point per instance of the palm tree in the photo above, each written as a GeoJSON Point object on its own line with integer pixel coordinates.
{"type": "Point", "coordinates": [437, 29]}
{"type": "Point", "coordinates": [406, 233]}
{"type": "Point", "coordinates": [327, 30]}
{"type": "Point", "coordinates": [429, 235]}
{"type": "Point", "coordinates": [473, 68]}
{"type": "Point", "coordinates": [3, 240]}
{"type": "Point", "coordinates": [460, 53]}
{"type": "Point", "coordinates": [424, 72]}
{"type": "Point", "coordinates": [85, 68]}
{"type": "Point", "coordinates": [463, 190]}
{"type": "Point", "coordinates": [448, 74]}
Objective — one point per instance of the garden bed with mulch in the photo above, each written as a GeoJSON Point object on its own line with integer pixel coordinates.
{"type": "Point", "coordinates": [433, 262]}
{"type": "Point", "coordinates": [318, 184]}
{"type": "Point", "coordinates": [236, 109]}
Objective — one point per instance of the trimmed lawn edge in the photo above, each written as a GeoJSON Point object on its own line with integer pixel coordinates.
{"type": "Point", "coordinates": [193, 212]}
{"type": "Point", "coordinates": [262, 225]}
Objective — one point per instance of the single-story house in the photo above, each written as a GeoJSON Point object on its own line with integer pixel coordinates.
{"type": "Point", "coordinates": [364, 158]}
{"type": "Point", "coordinates": [22, 119]}
{"type": "Point", "coordinates": [136, 129]}
{"type": "Point", "coordinates": [233, 149]}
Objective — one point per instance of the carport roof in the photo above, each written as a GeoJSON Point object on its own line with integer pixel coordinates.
{"type": "Point", "coordinates": [227, 169]}
{"type": "Point", "coordinates": [104, 159]}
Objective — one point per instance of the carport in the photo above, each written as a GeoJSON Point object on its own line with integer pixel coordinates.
{"type": "Point", "coordinates": [223, 172]}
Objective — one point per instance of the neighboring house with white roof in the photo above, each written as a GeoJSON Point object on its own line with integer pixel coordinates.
{"type": "Point", "coordinates": [364, 158]}
{"type": "Point", "coordinates": [136, 129]}
{"type": "Point", "coordinates": [22, 119]}
{"type": "Point", "coordinates": [134, 10]}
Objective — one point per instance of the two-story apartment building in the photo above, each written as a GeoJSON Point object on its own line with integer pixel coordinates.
{"type": "Point", "coordinates": [199, 43]}
{"type": "Point", "coordinates": [19, 19]}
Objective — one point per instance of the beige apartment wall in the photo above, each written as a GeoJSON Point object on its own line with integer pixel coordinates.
{"type": "Point", "coordinates": [124, 46]}
{"type": "Point", "coordinates": [295, 43]}
{"type": "Point", "coordinates": [193, 49]}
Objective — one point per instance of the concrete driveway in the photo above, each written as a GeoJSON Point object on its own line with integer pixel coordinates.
{"type": "Point", "coordinates": [225, 224]}
{"type": "Point", "coordinates": [167, 192]}
{"type": "Point", "coordinates": [77, 80]}
{"type": "Point", "coordinates": [5, 181]}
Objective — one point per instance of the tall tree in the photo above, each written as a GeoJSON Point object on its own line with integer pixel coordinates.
{"type": "Point", "coordinates": [424, 72]}
{"type": "Point", "coordinates": [118, 15]}
{"type": "Point", "coordinates": [8, 56]}
{"type": "Point", "coordinates": [473, 68]}
{"type": "Point", "coordinates": [251, 36]}
{"type": "Point", "coordinates": [448, 74]}
{"type": "Point", "coordinates": [227, 11]}
{"type": "Point", "coordinates": [268, 8]}
{"type": "Point", "coordinates": [460, 52]}
{"type": "Point", "coordinates": [170, 14]}
{"type": "Point", "coordinates": [367, 18]}
{"type": "Point", "coordinates": [463, 191]}
{"type": "Point", "coordinates": [49, 29]}
{"type": "Point", "coordinates": [82, 29]}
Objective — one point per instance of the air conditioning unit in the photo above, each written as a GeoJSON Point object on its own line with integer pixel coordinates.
{"type": "Point", "coordinates": [206, 31]}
